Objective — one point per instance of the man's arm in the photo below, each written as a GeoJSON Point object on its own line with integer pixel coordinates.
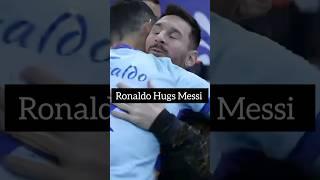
{"type": "Point", "coordinates": [184, 148]}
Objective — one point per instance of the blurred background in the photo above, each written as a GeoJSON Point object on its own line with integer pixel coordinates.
{"type": "Point", "coordinates": [295, 24]}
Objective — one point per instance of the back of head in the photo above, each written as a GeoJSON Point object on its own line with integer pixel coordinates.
{"type": "Point", "coordinates": [127, 17]}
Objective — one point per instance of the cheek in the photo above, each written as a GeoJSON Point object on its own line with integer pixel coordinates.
{"type": "Point", "coordinates": [149, 41]}
{"type": "Point", "coordinates": [172, 48]}
{"type": "Point", "coordinates": [171, 52]}
{"type": "Point", "coordinates": [176, 48]}
{"type": "Point", "coordinates": [176, 53]}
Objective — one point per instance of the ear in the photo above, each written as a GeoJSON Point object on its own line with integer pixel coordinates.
{"type": "Point", "coordinates": [143, 34]}
{"type": "Point", "coordinates": [146, 28]}
{"type": "Point", "coordinates": [191, 58]}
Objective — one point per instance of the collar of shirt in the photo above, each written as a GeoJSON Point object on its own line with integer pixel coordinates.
{"type": "Point", "coordinates": [118, 46]}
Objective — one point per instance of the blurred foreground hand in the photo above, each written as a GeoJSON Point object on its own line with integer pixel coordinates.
{"type": "Point", "coordinates": [79, 155]}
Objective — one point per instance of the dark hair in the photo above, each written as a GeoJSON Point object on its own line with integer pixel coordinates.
{"type": "Point", "coordinates": [127, 17]}
{"type": "Point", "coordinates": [154, 1]}
{"type": "Point", "coordinates": [195, 28]}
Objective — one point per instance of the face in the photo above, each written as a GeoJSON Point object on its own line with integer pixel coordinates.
{"type": "Point", "coordinates": [170, 37]}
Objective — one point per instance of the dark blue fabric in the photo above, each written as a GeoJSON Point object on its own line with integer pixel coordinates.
{"type": "Point", "coordinates": [7, 145]}
{"type": "Point", "coordinates": [307, 149]}
{"type": "Point", "coordinates": [122, 46]}
{"type": "Point", "coordinates": [158, 164]}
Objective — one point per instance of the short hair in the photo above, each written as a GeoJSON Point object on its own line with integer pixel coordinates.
{"type": "Point", "coordinates": [127, 17]}
{"type": "Point", "coordinates": [195, 34]}
{"type": "Point", "coordinates": [154, 1]}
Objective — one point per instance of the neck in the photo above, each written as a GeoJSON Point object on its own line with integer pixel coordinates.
{"type": "Point", "coordinates": [129, 41]}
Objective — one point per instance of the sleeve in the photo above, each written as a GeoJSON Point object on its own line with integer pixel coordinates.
{"type": "Point", "coordinates": [184, 149]}
{"type": "Point", "coordinates": [190, 80]}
